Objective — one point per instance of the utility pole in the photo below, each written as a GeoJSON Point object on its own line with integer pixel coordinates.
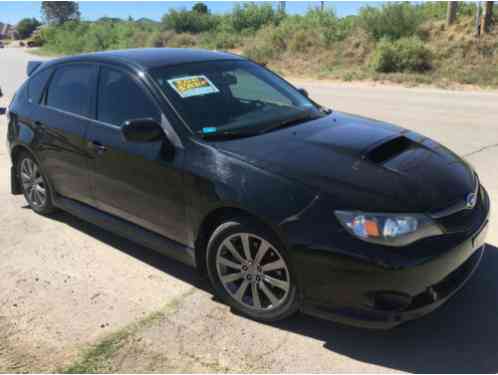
{"type": "Point", "coordinates": [452, 12]}
{"type": "Point", "coordinates": [478, 18]}
{"type": "Point", "coordinates": [487, 17]}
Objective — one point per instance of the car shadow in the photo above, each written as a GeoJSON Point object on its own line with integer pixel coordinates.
{"type": "Point", "coordinates": [143, 254]}
{"type": "Point", "coordinates": [459, 337]}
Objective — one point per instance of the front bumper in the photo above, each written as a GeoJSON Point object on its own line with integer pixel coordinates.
{"type": "Point", "coordinates": [426, 302]}
{"type": "Point", "coordinates": [385, 291]}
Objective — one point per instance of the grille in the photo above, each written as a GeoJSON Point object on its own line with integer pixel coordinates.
{"type": "Point", "coordinates": [467, 220]}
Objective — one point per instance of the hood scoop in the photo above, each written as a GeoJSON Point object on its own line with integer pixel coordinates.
{"type": "Point", "coordinates": [385, 151]}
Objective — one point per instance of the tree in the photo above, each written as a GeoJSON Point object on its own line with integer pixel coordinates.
{"type": "Point", "coordinates": [26, 26]}
{"type": "Point", "coordinates": [200, 8]}
{"type": "Point", "coordinates": [487, 17]}
{"type": "Point", "coordinates": [452, 12]}
{"type": "Point", "coordinates": [58, 12]}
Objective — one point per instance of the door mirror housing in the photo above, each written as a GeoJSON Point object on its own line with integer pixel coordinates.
{"type": "Point", "coordinates": [142, 130]}
{"type": "Point", "coordinates": [303, 92]}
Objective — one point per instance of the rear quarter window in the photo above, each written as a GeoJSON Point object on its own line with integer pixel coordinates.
{"type": "Point", "coordinates": [37, 84]}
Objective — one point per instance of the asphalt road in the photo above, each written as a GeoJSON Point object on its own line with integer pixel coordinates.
{"type": "Point", "coordinates": [65, 284]}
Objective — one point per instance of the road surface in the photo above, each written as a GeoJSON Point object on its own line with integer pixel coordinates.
{"type": "Point", "coordinates": [66, 285]}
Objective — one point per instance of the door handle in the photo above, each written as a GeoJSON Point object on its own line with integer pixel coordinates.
{"type": "Point", "coordinates": [99, 147]}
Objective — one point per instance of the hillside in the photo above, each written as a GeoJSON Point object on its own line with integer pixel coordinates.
{"type": "Point", "coordinates": [398, 42]}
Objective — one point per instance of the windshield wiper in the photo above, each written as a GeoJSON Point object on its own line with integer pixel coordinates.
{"type": "Point", "coordinates": [290, 122]}
{"type": "Point", "coordinates": [227, 134]}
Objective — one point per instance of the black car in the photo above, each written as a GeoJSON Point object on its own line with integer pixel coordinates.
{"type": "Point", "coordinates": [218, 162]}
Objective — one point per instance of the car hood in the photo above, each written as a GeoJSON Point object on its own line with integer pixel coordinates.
{"type": "Point", "coordinates": [363, 164]}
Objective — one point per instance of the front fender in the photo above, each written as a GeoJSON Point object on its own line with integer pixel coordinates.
{"type": "Point", "coordinates": [215, 180]}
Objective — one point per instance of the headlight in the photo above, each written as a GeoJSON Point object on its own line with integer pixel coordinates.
{"type": "Point", "coordinates": [388, 229]}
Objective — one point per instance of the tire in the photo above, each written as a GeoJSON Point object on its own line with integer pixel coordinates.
{"type": "Point", "coordinates": [34, 184]}
{"type": "Point", "coordinates": [263, 288]}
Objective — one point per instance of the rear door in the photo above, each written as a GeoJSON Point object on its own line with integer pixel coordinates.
{"type": "Point", "coordinates": [135, 181]}
{"type": "Point", "coordinates": [62, 118]}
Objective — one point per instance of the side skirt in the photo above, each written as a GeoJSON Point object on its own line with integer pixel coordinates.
{"type": "Point", "coordinates": [128, 230]}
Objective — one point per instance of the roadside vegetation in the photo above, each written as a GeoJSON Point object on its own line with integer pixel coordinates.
{"type": "Point", "coordinates": [398, 42]}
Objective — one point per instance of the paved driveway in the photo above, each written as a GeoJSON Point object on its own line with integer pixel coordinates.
{"type": "Point", "coordinates": [66, 285]}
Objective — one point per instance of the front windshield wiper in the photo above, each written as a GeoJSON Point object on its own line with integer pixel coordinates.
{"type": "Point", "coordinates": [291, 121]}
{"type": "Point", "coordinates": [225, 134]}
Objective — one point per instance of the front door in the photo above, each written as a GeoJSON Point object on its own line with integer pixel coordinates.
{"type": "Point", "coordinates": [135, 181]}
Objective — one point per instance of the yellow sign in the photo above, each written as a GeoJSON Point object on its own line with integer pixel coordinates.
{"type": "Point", "coordinates": [192, 86]}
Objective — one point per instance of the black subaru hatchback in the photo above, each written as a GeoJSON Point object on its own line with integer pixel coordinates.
{"type": "Point", "coordinates": [218, 162]}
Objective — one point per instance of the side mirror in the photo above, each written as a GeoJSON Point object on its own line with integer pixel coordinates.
{"type": "Point", "coordinates": [304, 92]}
{"type": "Point", "coordinates": [142, 130]}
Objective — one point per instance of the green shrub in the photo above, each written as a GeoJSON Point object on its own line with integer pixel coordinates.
{"type": "Point", "coordinates": [392, 20]}
{"type": "Point", "coordinates": [189, 21]}
{"type": "Point", "coordinates": [26, 26]}
{"type": "Point", "coordinates": [403, 55]}
{"type": "Point", "coordinates": [252, 16]}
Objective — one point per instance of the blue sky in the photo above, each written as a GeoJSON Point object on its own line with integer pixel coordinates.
{"type": "Point", "coordinates": [13, 11]}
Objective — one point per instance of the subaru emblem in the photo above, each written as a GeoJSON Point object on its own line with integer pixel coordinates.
{"type": "Point", "coordinates": [470, 200]}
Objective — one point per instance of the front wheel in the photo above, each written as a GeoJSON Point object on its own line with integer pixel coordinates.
{"type": "Point", "coordinates": [251, 272]}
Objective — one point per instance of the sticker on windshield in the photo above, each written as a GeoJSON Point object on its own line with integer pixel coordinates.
{"type": "Point", "coordinates": [193, 86]}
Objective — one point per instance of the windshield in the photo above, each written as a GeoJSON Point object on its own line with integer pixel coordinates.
{"type": "Point", "coordinates": [232, 97]}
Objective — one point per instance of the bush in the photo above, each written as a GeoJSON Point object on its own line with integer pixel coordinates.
{"type": "Point", "coordinates": [26, 26]}
{"type": "Point", "coordinates": [391, 21]}
{"type": "Point", "coordinates": [189, 21]}
{"type": "Point", "coordinates": [251, 16]}
{"type": "Point", "coordinates": [403, 55]}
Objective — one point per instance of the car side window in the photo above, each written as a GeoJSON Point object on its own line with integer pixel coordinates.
{"type": "Point", "coordinates": [121, 99]}
{"type": "Point", "coordinates": [37, 84]}
{"type": "Point", "coordinates": [70, 89]}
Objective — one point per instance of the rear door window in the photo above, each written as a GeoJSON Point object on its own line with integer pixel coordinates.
{"type": "Point", "coordinates": [71, 89]}
{"type": "Point", "coordinates": [120, 98]}
{"type": "Point", "coordinates": [37, 85]}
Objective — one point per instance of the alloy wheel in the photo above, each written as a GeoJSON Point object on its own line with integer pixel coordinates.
{"type": "Point", "coordinates": [253, 271]}
{"type": "Point", "coordinates": [33, 183]}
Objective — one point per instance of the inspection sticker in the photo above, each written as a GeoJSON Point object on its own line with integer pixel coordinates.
{"type": "Point", "coordinates": [193, 86]}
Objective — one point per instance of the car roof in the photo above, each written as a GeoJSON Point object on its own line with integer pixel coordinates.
{"type": "Point", "coordinates": [149, 58]}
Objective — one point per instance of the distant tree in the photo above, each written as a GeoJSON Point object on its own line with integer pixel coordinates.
{"type": "Point", "coordinates": [452, 12]}
{"type": "Point", "coordinates": [26, 26]}
{"type": "Point", "coordinates": [58, 12]}
{"type": "Point", "coordinates": [487, 17]}
{"type": "Point", "coordinates": [200, 8]}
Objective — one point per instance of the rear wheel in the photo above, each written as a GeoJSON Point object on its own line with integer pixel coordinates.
{"type": "Point", "coordinates": [34, 184]}
{"type": "Point", "coordinates": [250, 271]}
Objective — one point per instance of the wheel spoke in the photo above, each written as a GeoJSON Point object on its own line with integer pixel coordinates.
{"type": "Point", "coordinates": [29, 166]}
{"type": "Point", "coordinates": [255, 296]}
{"type": "Point", "coordinates": [229, 263]}
{"type": "Point", "coordinates": [31, 194]}
{"type": "Point", "coordinates": [278, 264]}
{"type": "Point", "coordinates": [245, 246]}
{"type": "Point", "coordinates": [39, 180]}
{"type": "Point", "coordinates": [284, 285]}
{"type": "Point", "coordinates": [230, 278]}
{"type": "Point", "coordinates": [263, 248]}
{"type": "Point", "coordinates": [25, 176]}
{"type": "Point", "coordinates": [241, 291]}
{"type": "Point", "coordinates": [273, 299]}
{"type": "Point", "coordinates": [38, 197]}
{"type": "Point", "coordinates": [40, 189]}
{"type": "Point", "coordinates": [228, 244]}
